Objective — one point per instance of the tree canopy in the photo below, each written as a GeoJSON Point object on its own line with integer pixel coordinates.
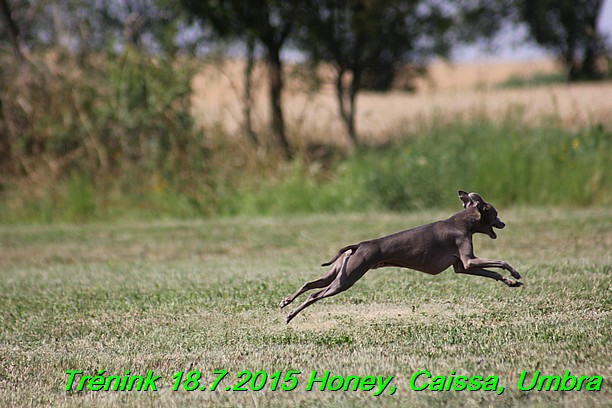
{"type": "Point", "coordinates": [569, 29]}
{"type": "Point", "coordinates": [366, 41]}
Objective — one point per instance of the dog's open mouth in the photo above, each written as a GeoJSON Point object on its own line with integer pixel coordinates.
{"type": "Point", "coordinates": [499, 224]}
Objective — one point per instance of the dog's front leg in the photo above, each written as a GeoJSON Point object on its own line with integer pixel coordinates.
{"type": "Point", "coordinates": [471, 261]}
{"type": "Point", "coordinates": [458, 267]}
{"type": "Point", "coordinates": [476, 262]}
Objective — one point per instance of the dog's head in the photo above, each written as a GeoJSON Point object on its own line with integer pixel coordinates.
{"type": "Point", "coordinates": [488, 213]}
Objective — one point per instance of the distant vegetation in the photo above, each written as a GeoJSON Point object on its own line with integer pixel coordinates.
{"type": "Point", "coordinates": [538, 79]}
{"type": "Point", "coordinates": [96, 116]}
{"type": "Point", "coordinates": [537, 166]}
{"type": "Point", "coordinates": [81, 130]}
{"type": "Point", "coordinates": [542, 79]}
{"type": "Point", "coordinates": [542, 165]}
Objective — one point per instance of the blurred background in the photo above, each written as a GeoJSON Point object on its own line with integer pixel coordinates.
{"type": "Point", "coordinates": [153, 108]}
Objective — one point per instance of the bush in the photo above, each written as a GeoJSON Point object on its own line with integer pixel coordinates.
{"type": "Point", "coordinates": [111, 136]}
{"type": "Point", "coordinates": [102, 126]}
{"type": "Point", "coordinates": [508, 164]}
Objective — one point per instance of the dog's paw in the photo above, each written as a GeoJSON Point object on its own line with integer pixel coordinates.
{"type": "Point", "coordinates": [284, 302]}
{"type": "Point", "coordinates": [515, 274]}
{"type": "Point", "coordinates": [513, 283]}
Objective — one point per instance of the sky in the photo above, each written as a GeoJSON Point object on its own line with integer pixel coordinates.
{"type": "Point", "coordinates": [511, 45]}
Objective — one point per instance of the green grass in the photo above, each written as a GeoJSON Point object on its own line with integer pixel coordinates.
{"type": "Point", "coordinates": [513, 163]}
{"type": "Point", "coordinates": [202, 295]}
{"type": "Point", "coordinates": [537, 79]}
{"type": "Point", "coordinates": [540, 79]}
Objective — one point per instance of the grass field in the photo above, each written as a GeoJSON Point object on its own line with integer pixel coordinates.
{"type": "Point", "coordinates": [200, 295]}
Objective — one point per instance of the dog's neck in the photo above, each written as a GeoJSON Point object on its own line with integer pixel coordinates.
{"type": "Point", "coordinates": [470, 218]}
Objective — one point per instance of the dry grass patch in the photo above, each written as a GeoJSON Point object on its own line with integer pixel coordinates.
{"type": "Point", "coordinates": [465, 91]}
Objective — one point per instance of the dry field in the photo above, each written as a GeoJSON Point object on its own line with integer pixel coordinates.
{"type": "Point", "coordinates": [467, 91]}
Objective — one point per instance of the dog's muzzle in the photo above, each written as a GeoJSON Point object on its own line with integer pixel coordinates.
{"type": "Point", "coordinates": [499, 224]}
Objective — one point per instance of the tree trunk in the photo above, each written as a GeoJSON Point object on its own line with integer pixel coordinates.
{"type": "Point", "coordinates": [275, 74]}
{"type": "Point", "coordinates": [583, 45]}
{"type": "Point", "coordinates": [588, 67]}
{"type": "Point", "coordinates": [346, 105]}
{"type": "Point", "coordinates": [248, 97]}
{"type": "Point", "coordinates": [355, 85]}
{"type": "Point", "coordinates": [570, 60]}
{"type": "Point", "coordinates": [593, 48]}
{"type": "Point", "coordinates": [573, 68]}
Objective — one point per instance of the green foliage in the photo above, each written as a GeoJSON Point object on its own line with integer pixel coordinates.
{"type": "Point", "coordinates": [80, 131]}
{"type": "Point", "coordinates": [508, 163]}
{"type": "Point", "coordinates": [268, 23]}
{"type": "Point", "coordinates": [112, 136]}
{"type": "Point", "coordinates": [81, 204]}
{"type": "Point", "coordinates": [569, 29]}
{"type": "Point", "coordinates": [538, 79]}
{"type": "Point", "coordinates": [370, 39]}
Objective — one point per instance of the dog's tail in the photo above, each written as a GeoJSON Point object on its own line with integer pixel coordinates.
{"type": "Point", "coordinates": [340, 252]}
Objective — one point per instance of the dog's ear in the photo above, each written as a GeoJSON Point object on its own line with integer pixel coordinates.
{"type": "Point", "coordinates": [478, 201]}
{"type": "Point", "coordinates": [467, 199]}
{"type": "Point", "coordinates": [477, 198]}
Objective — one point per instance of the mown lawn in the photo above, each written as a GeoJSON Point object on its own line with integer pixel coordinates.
{"type": "Point", "coordinates": [202, 295]}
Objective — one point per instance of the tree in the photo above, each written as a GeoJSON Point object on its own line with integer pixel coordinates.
{"type": "Point", "coordinates": [12, 30]}
{"type": "Point", "coordinates": [89, 26]}
{"type": "Point", "coordinates": [85, 30]}
{"type": "Point", "coordinates": [25, 25]}
{"type": "Point", "coordinates": [270, 22]}
{"type": "Point", "coordinates": [368, 38]}
{"type": "Point", "coordinates": [569, 29]}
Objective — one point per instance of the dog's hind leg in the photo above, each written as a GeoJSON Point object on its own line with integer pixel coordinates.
{"type": "Point", "coordinates": [333, 289]}
{"type": "Point", "coordinates": [322, 282]}
{"type": "Point", "coordinates": [343, 281]}
{"type": "Point", "coordinates": [309, 301]}
{"type": "Point", "coordinates": [317, 283]}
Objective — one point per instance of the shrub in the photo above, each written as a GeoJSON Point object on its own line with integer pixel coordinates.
{"type": "Point", "coordinates": [103, 125]}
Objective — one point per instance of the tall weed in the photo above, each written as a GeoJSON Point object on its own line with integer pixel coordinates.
{"type": "Point", "coordinates": [507, 163]}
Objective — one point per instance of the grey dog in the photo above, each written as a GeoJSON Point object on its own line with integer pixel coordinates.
{"type": "Point", "coordinates": [429, 248]}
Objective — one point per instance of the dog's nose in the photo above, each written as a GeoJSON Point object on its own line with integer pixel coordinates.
{"type": "Point", "coordinates": [500, 224]}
